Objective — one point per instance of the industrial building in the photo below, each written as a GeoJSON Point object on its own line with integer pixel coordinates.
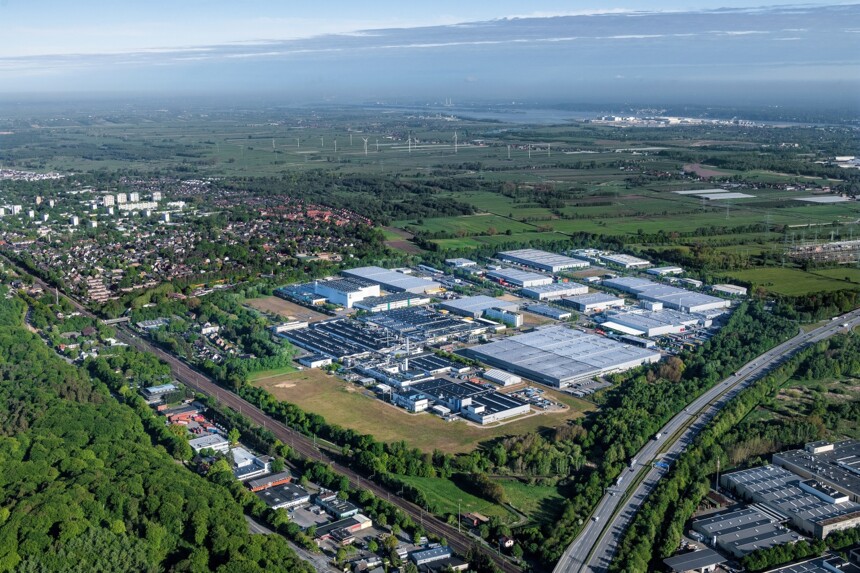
{"type": "Point", "coordinates": [426, 325]}
{"type": "Point", "coordinates": [834, 464]}
{"type": "Point", "coordinates": [554, 291]}
{"type": "Point", "coordinates": [391, 302]}
{"type": "Point", "coordinates": [284, 496]}
{"type": "Point", "coordinates": [343, 528]}
{"type": "Point", "coordinates": [460, 263]}
{"type": "Point", "coordinates": [518, 278]}
{"type": "Point", "coordinates": [549, 311]}
{"type": "Point", "coordinates": [625, 261]}
{"type": "Point", "coordinates": [560, 356]}
{"type": "Point", "coordinates": [542, 260]}
{"type": "Point", "coordinates": [411, 400]}
{"type": "Point", "coordinates": [652, 323]}
{"type": "Point", "coordinates": [731, 290]}
{"type": "Point", "coordinates": [593, 302]}
{"type": "Point", "coordinates": [247, 466]}
{"type": "Point", "coordinates": [699, 561]}
{"type": "Point", "coordinates": [337, 508]}
{"type": "Point", "coordinates": [342, 338]}
{"type": "Point", "coordinates": [826, 564]}
{"type": "Point", "coordinates": [509, 318]}
{"type": "Point", "coordinates": [665, 271]}
{"type": "Point", "coordinates": [811, 506]}
{"type": "Point", "coordinates": [393, 281]}
{"type": "Point", "coordinates": [346, 292]}
{"type": "Point", "coordinates": [214, 442]}
{"type": "Point", "coordinates": [671, 297]}
{"type": "Point", "coordinates": [501, 377]}
{"type": "Point", "coordinates": [479, 403]}
{"type": "Point", "coordinates": [475, 306]}
{"type": "Point", "coordinates": [744, 529]}
{"type": "Point", "coordinates": [272, 480]}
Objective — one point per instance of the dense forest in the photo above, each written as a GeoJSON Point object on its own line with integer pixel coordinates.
{"type": "Point", "coordinates": [84, 489]}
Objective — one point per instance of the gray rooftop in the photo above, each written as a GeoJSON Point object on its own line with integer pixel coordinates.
{"type": "Point", "coordinates": [694, 560]}
{"type": "Point", "coordinates": [542, 259]}
{"type": "Point", "coordinates": [670, 296]}
{"type": "Point", "coordinates": [561, 355]}
{"type": "Point", "coordinates": [517, 276]}
{"type": "Point", "coordinates": [839, 467]}
{"type": "Point", "coordinates": [476, 305]}
{"type": "Point", "coordinates": [392, 280]}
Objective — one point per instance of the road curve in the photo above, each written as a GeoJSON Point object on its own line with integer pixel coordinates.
{"type": "Point", "coordinates": [594, 547]}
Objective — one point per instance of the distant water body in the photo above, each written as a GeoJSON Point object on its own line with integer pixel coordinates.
{"type": "Point", "coordinates": [522, 115]}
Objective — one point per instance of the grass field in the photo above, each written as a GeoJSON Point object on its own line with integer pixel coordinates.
{"type": "Point", "coordinates": [285, 309]}
{"type": "Point", "coordinates": [444, 495]}
{"type": "Point", "coordinates": [346, 405]}
{"type": "Point", "coordinates": [540, 502]}
{"type": "Point", "coordinates": [268, 374]}
{"type": "Point", "coordinates": [793, 282]}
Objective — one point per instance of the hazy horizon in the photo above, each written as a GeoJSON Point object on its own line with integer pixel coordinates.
{"type": "Point", "coordinates": [803, 55]}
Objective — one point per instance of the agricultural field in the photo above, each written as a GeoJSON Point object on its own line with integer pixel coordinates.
{"type": "Point", "coordinates": [347, 405]}
{"type": "Point", "coordinates": [792, 282]}
{"type": "Point", "coordinates": [285, 309]}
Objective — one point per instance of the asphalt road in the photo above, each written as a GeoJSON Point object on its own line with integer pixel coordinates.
{"type": "Point", "coordinates": [594, 548]}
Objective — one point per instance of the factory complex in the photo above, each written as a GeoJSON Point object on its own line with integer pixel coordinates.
{"type": "Point", "coordinates": [542, 260]}
{"type": "Point", "coordinates": [560, 356]}
{"type": "Point", "coordinates": [670, 296]}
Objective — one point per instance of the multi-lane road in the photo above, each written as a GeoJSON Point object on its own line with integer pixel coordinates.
{"type": "Point", "coordinates": [594, 548]}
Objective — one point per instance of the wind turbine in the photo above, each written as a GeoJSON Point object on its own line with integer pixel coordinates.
{"type": "Point", "coordinates": [335, 145]}
{"type": "Point", "coordinates": [273, 144]}
{"type": "Point", "coordinates": [455, 142]}
{"type": "Point", "coordinates": [409, 142]}
{"type": "Point", "coordinates": [509, 151]}
{"type": "Point", "coordinates": [377, 146]}
{"type": "Point", "coordinates": [297, 143]}
{"type": "Point", "coordinates": [365, 145]}
{"type": "Point", "coordinates": [350, 140]}
{"type": "Point", "coordinates": [322, 141]}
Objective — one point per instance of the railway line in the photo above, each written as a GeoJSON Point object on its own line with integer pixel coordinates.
{"type": "Point", "coordinates": [461, 543]}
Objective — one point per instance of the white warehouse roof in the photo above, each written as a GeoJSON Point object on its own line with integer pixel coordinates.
{"type": "Point", "coordinates": [392, 280]}
{"type": "Point", "coordinates": [542, 260]}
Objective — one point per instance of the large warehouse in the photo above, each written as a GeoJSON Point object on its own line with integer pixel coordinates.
{"type": "Point", "coordinates": [652, 323]}
{"type": "Point", "coordinates": [554, 290]}
{"type": "Point", "coordinates": [542, 260]}
{"type": "Point", "coordinates": [671, 297]}
{"type": "Point", "coordinates": [812, 506]}
{"type": "Point", "coordinates": [346, 292]}
{"type": "Point", "coordinates": [593, 302]}
{"type": "Point", "coordinates": [474, 306]}
{"type": "Point", "coordinates": [392, 281]}
{"type": "Point", "coordinates": [522, 279]}
{"type": "Point", "coordinates": [560, 356]}
{"type": "Point", "coordinates": [835, 464]}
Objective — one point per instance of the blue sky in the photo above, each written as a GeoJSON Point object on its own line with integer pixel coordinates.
{"type": "Point", "coordinates": [704, 50]}
{"type": "Point", "coordinates": [43, 27]}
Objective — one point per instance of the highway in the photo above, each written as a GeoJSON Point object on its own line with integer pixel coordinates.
{"type": "Point", "coordinates": [594, 548]}
{"type": "Point", "coordinates": [459, 542]}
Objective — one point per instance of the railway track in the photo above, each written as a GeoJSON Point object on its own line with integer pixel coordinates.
{"type": "Point", "coordinates": [458, 541]}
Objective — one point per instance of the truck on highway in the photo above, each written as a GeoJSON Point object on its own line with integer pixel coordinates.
{"type": "Point", "coordinates": [658, 435]}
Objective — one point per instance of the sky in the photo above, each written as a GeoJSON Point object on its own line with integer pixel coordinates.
{"type": "Point", "coordinates": [336, 49]}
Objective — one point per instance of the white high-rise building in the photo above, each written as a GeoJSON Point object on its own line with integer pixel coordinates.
{"type": "Point", "coordinates": [16, 209]}
{"type": "Point", "coordinates": [120, 198]}
{"type": "Point", "coordinates": [165, 217]}
{"type": "Point", "coordinates": [156, 195]}
{"type": "Point", "coordinates": [74, 221]}
{"type": "Point", "coordinates": [107, 200]}
{"type": "Point", "coordinates": [133, 197]}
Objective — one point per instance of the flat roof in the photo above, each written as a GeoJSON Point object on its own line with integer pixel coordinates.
{"type": "Point", "coordinates": [517, 276]}
{"type": "Point", "coordinates": [542, 259]}
{"type": "Point", "coordinates": [593, 298]}
{"type": "Point", "coordinates": [827, 564]}
{"type": "Point", "coordinates": [559, 288]}
{"type": "Point", "coordinates": [476, 305]}
{"type": "Point", "coordinates": [669, 295]}
{"type": "Point", "coordinates": [560, 354]}
{"type": "Point", "coordinates": [645, 320]}
{"type": "Point", "coordinates": [285, 493]}
{"type": "Point", "coordinates": [694, 560]}
{"type": "Point", "coordinates": [392, 279]}
{"type": "Point", "coordinates": [839, 466]}
{"type": "Point", "coordinates": [272, 478]}
{"type": "Point", "coordinates": [779, 489]}
{"type": "Point", "coordinates": [624, 260]}
{"type": "Point", "coordinates": [550, 311]}
{"type": "Point", "coordinates": [346, 286]}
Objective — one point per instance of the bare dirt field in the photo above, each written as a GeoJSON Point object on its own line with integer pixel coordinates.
{"type": "Point", "coordinates": [285, 309]}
